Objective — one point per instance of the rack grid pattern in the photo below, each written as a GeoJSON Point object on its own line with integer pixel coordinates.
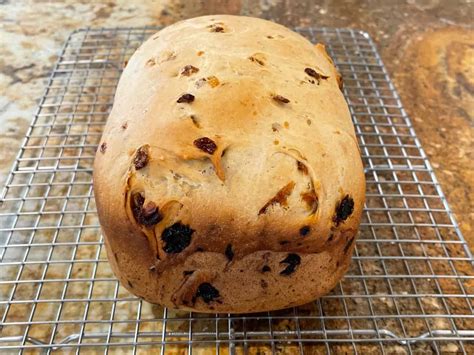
{"type": "Point", "coordinates": [409, 289]}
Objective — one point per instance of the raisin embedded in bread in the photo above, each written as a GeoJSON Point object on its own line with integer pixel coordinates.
{"type": "Point", "coordinates": [228, 177]}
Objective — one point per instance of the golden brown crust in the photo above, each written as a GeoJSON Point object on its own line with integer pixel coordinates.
{"type": "Point", "coordinates": [231, 179]}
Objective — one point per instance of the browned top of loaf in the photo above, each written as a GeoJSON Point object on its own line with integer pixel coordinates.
{"type": "Point", "coordinates": [237, 129]}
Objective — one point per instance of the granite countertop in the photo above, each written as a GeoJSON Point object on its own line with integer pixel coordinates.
{"type": "Point", "coordinates": [427, 46]}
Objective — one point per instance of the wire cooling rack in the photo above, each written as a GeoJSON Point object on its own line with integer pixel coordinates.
{"type": "Point", "coordinates": [409, 288]}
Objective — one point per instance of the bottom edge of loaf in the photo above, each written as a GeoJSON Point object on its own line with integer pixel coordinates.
{"type": "Point", "coordinates": [208, 283]}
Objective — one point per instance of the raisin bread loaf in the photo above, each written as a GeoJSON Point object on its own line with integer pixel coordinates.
{"type": "Point", "coordinates": [228, 177]}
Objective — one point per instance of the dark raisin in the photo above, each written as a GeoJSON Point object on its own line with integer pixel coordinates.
{"type": "Point", "coordinates": [205, 144]}
{"type": "Point", "coordinates": [302, 167]}
{"type": "Point", "coordinates": [217, 28]}
{"type": "Point", "coordinates": [195, 121]}
{"type": "Point", "coordinates": [266, 268]}
{"type": "Point", "coordinates": [186, 98]}
{"type": "Point", "coordinates": [189, 70]}
{"type": "Point", "coordinates": [207, 292]}
{"type": "Point", "coordinates": [136, 203]}
{"type": "Point", "coordinates": [199, 249]}
{"type": "Point", "coordinates": [176, 238]}
{"type": "Point", "coordinates": [331, 237]}
{"type": "Point", "coordinates": [103, 147]}
{"type": "Point", "coordinates": [304, 231]}
{"type": "Point", "coordinates": [263, 284]}
{"type": "Point", "coordinates": [256, 60]}
{"type": "Point", "coordinates": [150, 214]}
{"type": "Point", "coordinates": [348, 244]}
{"type": "Point", "coordinates": [124, 125]}
{"type": "Point", "coordinates": [283, 242]}
{"type": "Point", "coordinates": [141, 158]}
{"type": "Point", "coordinates": [152, 268]}
{"type": "Point", "coordinates": [188, 272]}
{"type": "Point", "coordinates": [229, 252]}
{"type": "Point", "coordinates": [313, 73]}
{"type": "Point", "coordinates": [293, 260]}
{"type": "Point", "coordinates": [343, 209]}
{"type": "Point", "coordinates": [281, 99]}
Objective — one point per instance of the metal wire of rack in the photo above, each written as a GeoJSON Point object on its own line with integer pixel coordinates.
{"type": "Point", "coordinates": [410, 285]}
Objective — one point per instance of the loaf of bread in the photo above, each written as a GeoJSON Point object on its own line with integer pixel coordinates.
{"type": "Point", "coordinates": [228, 177]}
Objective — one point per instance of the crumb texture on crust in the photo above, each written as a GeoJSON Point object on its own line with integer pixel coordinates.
{"type": "Point", "coordinates": [228, 177]}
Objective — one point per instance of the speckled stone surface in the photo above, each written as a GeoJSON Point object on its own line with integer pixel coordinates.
{"type": "Point", "coordinates": [427, 46]}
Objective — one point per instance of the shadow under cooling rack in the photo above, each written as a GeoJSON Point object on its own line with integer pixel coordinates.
{"type": "Point", "coordinates": [409, 288]}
